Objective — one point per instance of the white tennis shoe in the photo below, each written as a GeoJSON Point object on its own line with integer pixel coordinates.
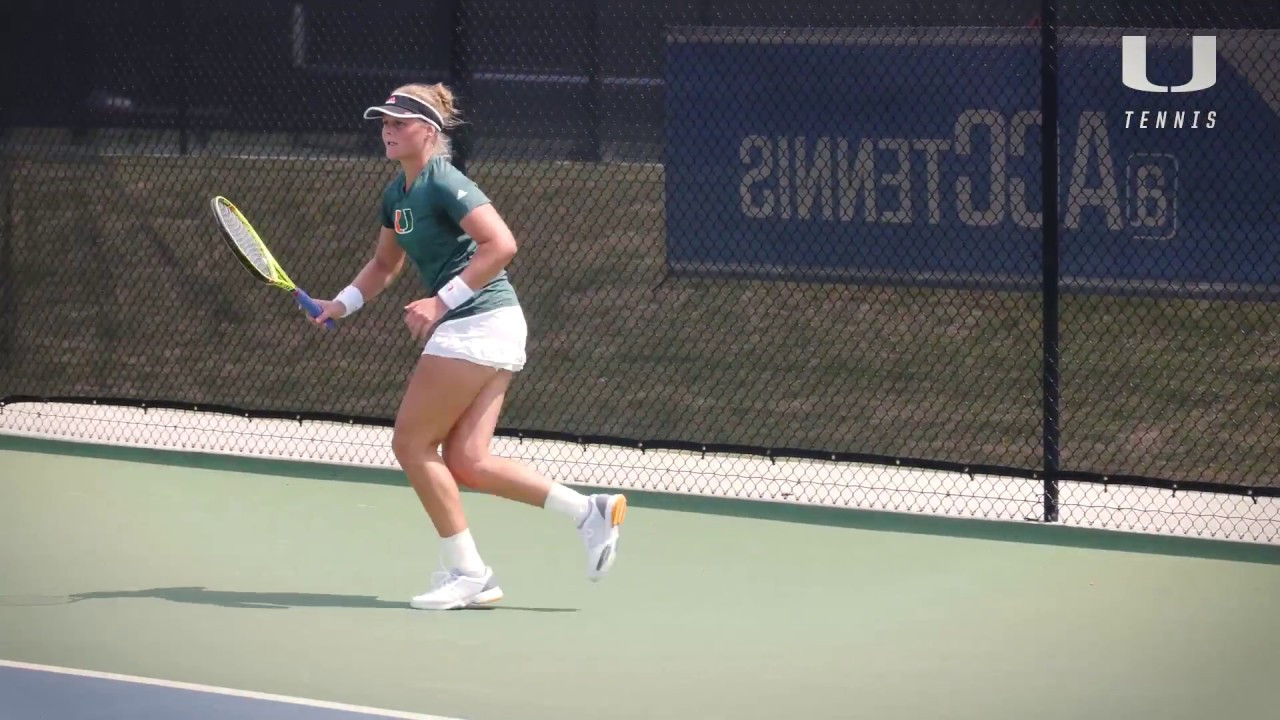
{"type": "Point", "coordinates": [599, 533]}
{"type": "Point", "coordinates": [451, 590]}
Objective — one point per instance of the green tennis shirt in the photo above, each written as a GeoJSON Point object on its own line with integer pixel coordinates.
{"type": "Point", "coordinates": [427, 221]}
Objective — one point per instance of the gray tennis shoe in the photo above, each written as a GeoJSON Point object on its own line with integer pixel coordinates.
{"type": "Point", "coordinates": [600, 533]}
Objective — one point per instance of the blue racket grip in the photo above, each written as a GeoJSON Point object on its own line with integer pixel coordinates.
{"type": "Point", "coordinates": [310, 306]}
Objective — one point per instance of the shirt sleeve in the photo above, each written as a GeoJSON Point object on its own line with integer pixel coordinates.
{"type": "Point", "coordinates": [456, 193]}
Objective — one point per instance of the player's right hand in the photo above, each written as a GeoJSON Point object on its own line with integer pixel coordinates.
{"type": "Point", "coordinates": [331, 309]}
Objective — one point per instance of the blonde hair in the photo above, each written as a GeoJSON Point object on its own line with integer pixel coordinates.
{"type": "Point", "coordinates": [440, 97]}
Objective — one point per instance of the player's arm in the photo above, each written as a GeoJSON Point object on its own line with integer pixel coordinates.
{"type": "Point", "coordinates": [377, 274]}
{"type": "Point", "coordinates": [495, 246]}
{"type": "Point", "coordinates": [470, 207]}
{"type": "Point", "coordinates": [383, 268]}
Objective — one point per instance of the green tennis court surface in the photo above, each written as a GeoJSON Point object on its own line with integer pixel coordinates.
{"type": "Point", "coordinates": [298, 586]}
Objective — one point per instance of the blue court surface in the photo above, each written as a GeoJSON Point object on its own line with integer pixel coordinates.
{"type": "Point", "coordinates": [41, 692]}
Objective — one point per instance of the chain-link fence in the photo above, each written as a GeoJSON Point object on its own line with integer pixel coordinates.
{"type": "Point", "coordinates": [810, 230]}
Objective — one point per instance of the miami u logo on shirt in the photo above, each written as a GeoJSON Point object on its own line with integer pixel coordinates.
{"type": "Point", "coordinates": [404, 221]}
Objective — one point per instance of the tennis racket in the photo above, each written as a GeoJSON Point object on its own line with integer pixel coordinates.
{"type": "Point", "coordinates": [254, 255]}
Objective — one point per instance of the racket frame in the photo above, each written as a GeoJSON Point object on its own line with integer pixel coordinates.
{"type": "Point", "coordinates": [281, 279]}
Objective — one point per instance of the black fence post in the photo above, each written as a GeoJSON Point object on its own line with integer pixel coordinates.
{"type": "Point", "coordinates": [460, 79]}
{"type": "Point", "coordinates": [84, 52]}
{"type": "Point", "coordinates": [8, 279]}
{"type": "Point", "coordinates": [181, 66]}
{"type": "Point", "coordinates": [595, 84]}
{"type": "Point", "coordinates": [1049, 225]}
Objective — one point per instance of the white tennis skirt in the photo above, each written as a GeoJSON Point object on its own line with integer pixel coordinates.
{"type": "Point", "coordinates": [495, 338]}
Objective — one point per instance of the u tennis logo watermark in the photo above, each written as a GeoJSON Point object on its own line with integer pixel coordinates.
{"type": "Point", "coordinates": [404, 221]}
{"type": "Point", "coordinates": [1204, 65]}
{"type": "Point", "coordinates": [1204, 75]}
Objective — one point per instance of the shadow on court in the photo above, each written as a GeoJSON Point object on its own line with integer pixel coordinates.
{"type": "Point", "coordinates": [273, 600]}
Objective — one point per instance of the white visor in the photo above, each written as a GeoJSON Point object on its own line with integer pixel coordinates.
{"type": "Point", "coordinates": [403, 106]}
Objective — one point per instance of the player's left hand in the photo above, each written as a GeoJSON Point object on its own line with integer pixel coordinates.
{"type": "Point", "coordinates": [422, 315]}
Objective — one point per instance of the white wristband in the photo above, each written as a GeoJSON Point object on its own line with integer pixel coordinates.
{"type": "Point", "coordinates": [455, 292]}
{"type": "Point", "coordinates": [351, 298]}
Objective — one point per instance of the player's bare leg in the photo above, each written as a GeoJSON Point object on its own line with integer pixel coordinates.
{"type": "Point", "coordinates": [440, 390]}
{"type": "Point", "coordinates": [467, 455]}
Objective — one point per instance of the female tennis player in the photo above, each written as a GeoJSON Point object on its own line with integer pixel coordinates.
{"type": "Point", "coordinates": [474, 332]}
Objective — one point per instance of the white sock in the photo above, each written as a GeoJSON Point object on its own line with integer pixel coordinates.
{"type": "Point", "coordinates": [568, 501]}
{"type": "Point", "coordinates": [460, 554]}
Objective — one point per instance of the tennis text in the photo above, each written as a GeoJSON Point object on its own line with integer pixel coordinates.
{"type": "Point", "coordinates": [985, 175]}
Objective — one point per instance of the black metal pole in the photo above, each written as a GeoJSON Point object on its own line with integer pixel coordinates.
{"type": "Point", "coordinates": [1049, 226]}
{"type": "Point", "coordinates": [460, 78]}
{"type": "Point", "coordinates": [595, 84]}
{"type": "Point", "coordinates": [8, 278]}
{"type": "Point", "coordinates": [83, 54]}
{"type": "Point", "coordinates": [182, 69]}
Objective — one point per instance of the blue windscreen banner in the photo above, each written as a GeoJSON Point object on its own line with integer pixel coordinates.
{"type": "Point", "coordinates": [913, 156]}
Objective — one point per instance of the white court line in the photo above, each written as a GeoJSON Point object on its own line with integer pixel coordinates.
{"type": "Point", "coordinates": [249, 694]}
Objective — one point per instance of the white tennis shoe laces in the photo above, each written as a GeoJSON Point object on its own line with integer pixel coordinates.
{"type": "Point", "coordinates": [599, 533]}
